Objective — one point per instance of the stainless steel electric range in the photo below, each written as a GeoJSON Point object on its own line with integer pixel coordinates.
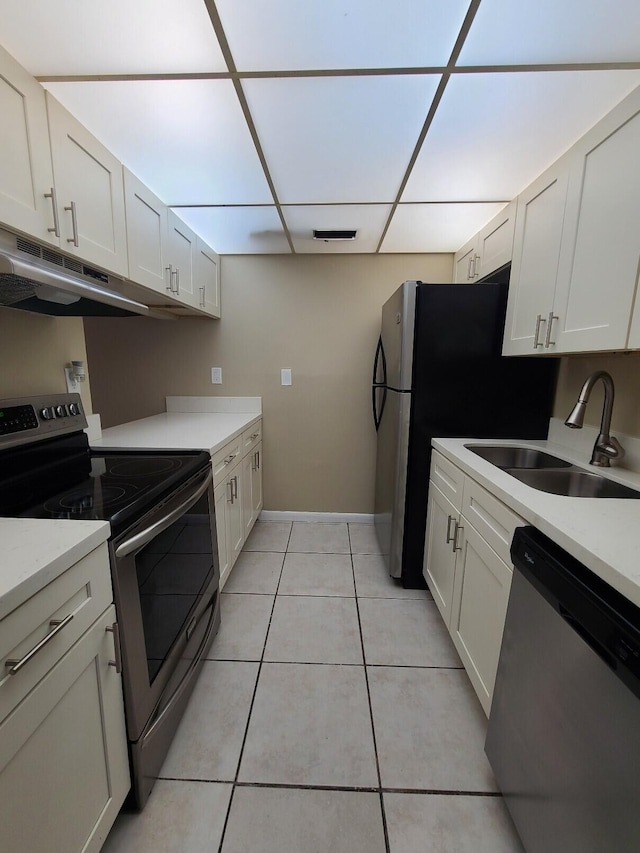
{"type": "Point", "coordinates": [164, 560]}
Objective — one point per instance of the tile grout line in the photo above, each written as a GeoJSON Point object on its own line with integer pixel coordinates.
{"type": "Point", "coordinates": [253, 698]}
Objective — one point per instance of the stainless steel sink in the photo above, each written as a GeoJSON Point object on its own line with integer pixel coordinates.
{"type": "Point", "coordinates": [574, 483]}
{"type": "Point", "coordinates": [504, 456]}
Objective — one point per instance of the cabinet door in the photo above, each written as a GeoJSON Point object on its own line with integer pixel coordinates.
{"type": "Point", "coordinates": [64, 769]}
{"type": "Point", "coordinates": [146, 236]}
{"type": "Point", "coordinates": [248, 513]}
{"type": "Point", "coordinates": [234, 512]}
{"type": "Point", "coordinates": [440, 558]}
{"type": "Point", "coordinates": [182, 256]}
{"type": "Point", "coordinates": [221, 496]}
{"type": "Point", "coordinates": [463, 263]}
{"type": "Point", "coordinates": [256, 482]}
{"type": "Point", "coordinates": [495, 241]}
{"type": "Point", "coordinates": [598, 267]}
{"type": "Point", "coordinates": [90, 192]}
{"type": "Point", "coordinates": [536, 250]}
{"type": "Point", "coordinates": [26, 175]}
{"type": "Point", "coordinates": [207, 278]}
{"type": "Point", "coordinates": [481, 594]}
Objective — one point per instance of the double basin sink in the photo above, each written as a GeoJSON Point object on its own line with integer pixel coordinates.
{"type": "Point", "coordinates": [548, 473]}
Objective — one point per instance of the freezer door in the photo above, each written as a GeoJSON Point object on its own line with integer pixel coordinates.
{"type": "Point", "coordinates": [391, 478]}
{"type": "Point", "coordinates": [398, 322]}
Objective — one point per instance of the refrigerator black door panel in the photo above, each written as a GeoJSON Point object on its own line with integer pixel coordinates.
{"type": "Point", "coordinates": [379, 365]}
{"type": "Point", "coordinates": [398, 320]}
{"type": "Point", "coordinates": [378, 399]}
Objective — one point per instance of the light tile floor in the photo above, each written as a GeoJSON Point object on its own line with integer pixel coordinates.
{"type": "Point", "coordinates": [332, 714]}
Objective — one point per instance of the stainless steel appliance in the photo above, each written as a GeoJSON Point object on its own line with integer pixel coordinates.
{"type": "Point", "coordinates": [438, 372]}
{"type": "Point", "coordinates": [164, 565]}
{"type": "Point", "coordinates": [563, 737]}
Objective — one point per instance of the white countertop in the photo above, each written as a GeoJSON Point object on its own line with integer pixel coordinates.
{"type": "Point", "coordinates": [35, 551]}
{"type": "Point", "coordinates": [603, 533]}
{"type": "Point", "coordinates": [178, 431]}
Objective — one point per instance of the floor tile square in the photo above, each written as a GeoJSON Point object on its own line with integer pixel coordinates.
{"type": "Point", "coordinates": [272, 820]}
{"type": "Point", "coordinates": [400, 632]}
{"type": "Point", "coordinates": [244, 622]}
{"type": "Point", "coordinates": [310, 725]}
{"type": "Point", "coordinates": [374, 581]}
{"type": "Point", "coordinates": [364, 539]}
{"type": "Point", "coordinates": [209, 738]}
{"type": "Point", "coordinates": [430, 730]}
{"type": "Point", "coordinates": [256, 571]}
{"type": "Point", "coordinates": [184, 816]}
{"type": "Point", "coordinates": [310, 629]}
{"type": "Point", "coordinates": [268, 536]}
{"type": "Point", "coordinates": [309, 537]}
{"type": "Point", "coordinates": [438, 823]}
{"type": "Point", "coordinates": [317, 574]}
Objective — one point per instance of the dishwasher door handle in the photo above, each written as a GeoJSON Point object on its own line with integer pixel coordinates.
{"type": "Point", "coordinates": [590, 640]}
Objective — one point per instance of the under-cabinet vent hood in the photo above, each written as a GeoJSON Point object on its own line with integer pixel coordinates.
{"type": "Point", "coordinates": [40, 279]}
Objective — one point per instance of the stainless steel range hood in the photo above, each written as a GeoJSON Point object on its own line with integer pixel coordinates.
{"type": "Point", "coordinates": [40, 279]}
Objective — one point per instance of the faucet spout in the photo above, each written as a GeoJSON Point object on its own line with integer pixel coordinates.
{"type": "Point", "coordinates": [606, 447]}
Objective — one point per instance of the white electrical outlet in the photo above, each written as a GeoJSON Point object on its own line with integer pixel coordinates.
{"type": "Point", "coordinates": [285, 376]}
{"type": "Point", "coordinates": [73, 386]}
{"type": "Point", "coordinates": [216, 376]}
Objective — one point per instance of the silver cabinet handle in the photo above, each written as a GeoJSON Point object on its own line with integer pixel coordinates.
{"type": "Point", "coordinates": [115, 630]}
{"type": "Point", "coordinates": [229, 459]}
{"type": "Point", "coordinates": [536, 342]}
{"type": "Point", "coordinates": [173, 277]}
{"type": "Point", "coordinates": [57, 625]}
{"type": "Point", "coordinates": [450, 536]}
{"type": "Point", "coordinates": [458, 530]}
{"type": "Point", "coordinates": [74, 224]}
{"type": "Point", "coordinates": [177, 280]}
{"type": "Point", "coordinates": [469, 268]}
{"type": "Point", "coordinates": [258, 455]}
{"type": "Point", "coordinates": [169, 269]}
{"type": "Point", "coordinates": [202, 295]}
{"type": "Point", "coordinates": [54, 204]}
{"type": "Point", "coordinates": [230, 490]}
{"type": "Point", "coordinates": [547, 341]}
{"type": "Point", "coordinates": [254, 436]}
{"type": "Point", "coordinates": [235, 487]}
{"type": "Point", "coordinates": [476, 258]}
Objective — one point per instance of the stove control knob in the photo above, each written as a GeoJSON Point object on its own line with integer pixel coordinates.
{"type": "Point", "coordinates": [46, 413]}
{"type": "Point", "coordinates": [74, 409]}
{"type": "Point", "coordinates": [61, 412]}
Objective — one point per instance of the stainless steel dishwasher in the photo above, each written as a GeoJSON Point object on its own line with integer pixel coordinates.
{"type": "Point", "coordinates": [564, 729]}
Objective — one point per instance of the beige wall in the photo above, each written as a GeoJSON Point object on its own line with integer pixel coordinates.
{"type": "Point", "coordinates": [318, 315]}
{"type": "Point", "coordinates": [34, 351]}
{"type": "Point", "coordinates": [625, 370]}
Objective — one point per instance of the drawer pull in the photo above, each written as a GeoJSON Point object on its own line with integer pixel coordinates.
{"type": "Point", "coordinates": [450, 535]}
{"type": "Point", "coordinates": [115, 630]}
{"type": "Point", "coordinates": [459, 529]}
{"type": "Point", "coordinates": [254, 436]}
{"type": "Point", "coordinates": [229, 459]}
{"type": "Point", "coordinates": [57, 625]}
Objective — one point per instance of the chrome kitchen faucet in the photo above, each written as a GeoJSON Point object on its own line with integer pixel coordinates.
{"type": "Point", "coordinates": [606, 447]}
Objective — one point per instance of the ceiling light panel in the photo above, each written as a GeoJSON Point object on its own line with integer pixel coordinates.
{"type": "Point", "coordinates": [540, 31]}
{"type": "Point", "coordinates": [186, 139]}
{"type": "Point", "coordinates": [288, 34]}
{"type": "Point", "coordinates": [367, 220]}
{"type": "Point", "coordinates": [340, 139]}
{"type": "Point", "coordinates": [494, 133]}
{"type": "Point", "coordinates": [238, 230]}
{"type": "Point", "coordinates": [436, 227]}
{"type": "Point", "coordinates": [117, 37]}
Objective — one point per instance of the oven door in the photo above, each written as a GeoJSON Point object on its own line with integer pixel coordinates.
{"type": "Point", "coordinates": [165, 576]}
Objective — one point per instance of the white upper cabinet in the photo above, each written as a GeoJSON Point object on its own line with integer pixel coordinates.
{"type": "Point", "coordinates": [146, 235]}
{"type": "Point", "coordinates": [495, 242]}
{"type": "Point", "coordinates": [181, 255]}
{"type": "Point", "coordinates": [27, 197]}
{"type": "Point", "coordinates": [536, 250]}
{"type": "Point", "coordinates": [207, 278]}
{"type": "Point", "coordinates": [90, 193]}
{"type": "Point", "coordinates": [463, 262]}
{"type": "Point", "coordinates": [600, 250]}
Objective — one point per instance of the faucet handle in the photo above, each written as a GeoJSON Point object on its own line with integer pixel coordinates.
{"type": "Point", "coordinates": [606, 447]}
{"type": "Point", "coordinates": [613, 448]}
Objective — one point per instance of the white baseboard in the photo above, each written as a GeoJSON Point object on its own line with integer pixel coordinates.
{"type": "Point", "coordinates": [358, 517]}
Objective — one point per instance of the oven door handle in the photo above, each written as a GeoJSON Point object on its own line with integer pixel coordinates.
{"type": "Point", "coordinates": [145, 536]}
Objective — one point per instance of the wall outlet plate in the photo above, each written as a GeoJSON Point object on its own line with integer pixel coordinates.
{"type": "Point", "coordinates": [73, 386]}
{"type": "Point", "coordinates": [216, 376]}
{"type": "Point", "coordinates": [285, 376]}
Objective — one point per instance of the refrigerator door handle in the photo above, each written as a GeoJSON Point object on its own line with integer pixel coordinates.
{"type": "Point", "coordinates": [379, 353]}
{"type": "Point", "coordinates": [377, 415]}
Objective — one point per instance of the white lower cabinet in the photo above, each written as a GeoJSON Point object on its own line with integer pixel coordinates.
{"type": "Point", "coordinates": [64, 769]}
{"type": "Point", "coordinates": [251, 488]}
{"type": "Point", "coordinates": [465, 568]}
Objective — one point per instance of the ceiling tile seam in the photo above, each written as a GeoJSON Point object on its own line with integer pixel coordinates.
{"type": "Point", "coordinates": [442, 85]}
{"type": "Point", "coordinates": [206, 205]}
{"type": "Point", "coordinates": [244, 105]}
{"type": "Point", "coordinates": [559, 67]}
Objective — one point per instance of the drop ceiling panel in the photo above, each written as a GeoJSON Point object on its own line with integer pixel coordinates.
{"type": "Point", "coordinates": [367, 220]}
{"type": "Point", "coordinates": [505, 32]}
{"type": "Point", "coordinates": [238, 230]}
{"type": "Point", "coordinates": [494, 133]}
{"type": "Point", "coordinates": [186, 139]}
{"type": "Point", "coordinates": [339, 139]}
{"type": "Point", "coordinates": [114, 37]}
{"type": "Point", "coordinates": [436, 227]}
{"type": "Point", "coordinates": [288, 34]}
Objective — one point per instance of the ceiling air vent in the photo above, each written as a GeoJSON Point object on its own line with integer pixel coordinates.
{"type": "Point", "coordinates": [332, 236]}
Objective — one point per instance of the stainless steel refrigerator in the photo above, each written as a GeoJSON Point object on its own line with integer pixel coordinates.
{"type": "Point", "coordinates": [438, 372]}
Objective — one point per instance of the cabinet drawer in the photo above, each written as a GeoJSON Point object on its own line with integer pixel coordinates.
{"type": "Point", "coordinates": [448, 478]}
{"type": "Point", "coordinates": [224, 459]}
{"type": "Point", "coordinates": [251, 437]}
{"type": "Point", "coordinates": [492, 519]}
{"type": "Point", "coordinates": [84, 591]}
